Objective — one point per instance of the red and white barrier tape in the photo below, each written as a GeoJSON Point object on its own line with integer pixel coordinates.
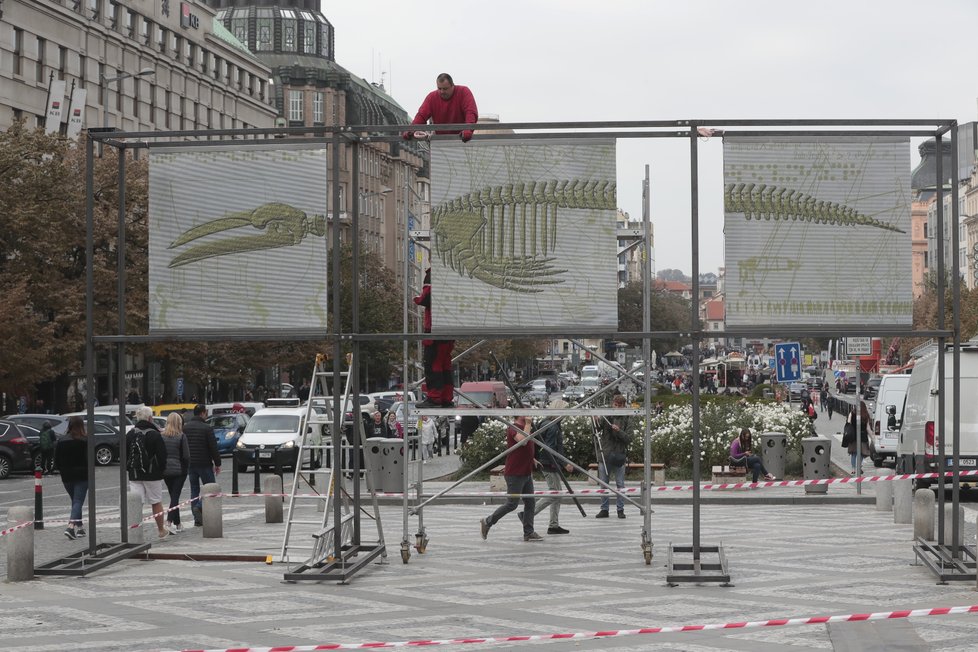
{"type": "Point", "coordinates": [614, 633]}
{"type": "Point", "coordinates": [19, 526]}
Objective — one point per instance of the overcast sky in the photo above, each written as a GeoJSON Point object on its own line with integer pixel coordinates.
{"type": "Point", "coordinates": [570, 60]}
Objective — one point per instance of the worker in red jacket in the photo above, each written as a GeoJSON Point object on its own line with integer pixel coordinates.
{"type": "Point", "coordinates": [449, 104]}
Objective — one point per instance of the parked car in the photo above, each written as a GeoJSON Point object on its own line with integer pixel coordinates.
{"type": "Point", "coordinates": [228, 428]}
{"type": "Point", "coordinates": [797, 390]}
{"type": "Point", "coordinates": [58, 423]}
{"type": "Point", "coordinates": [273, 437]}
{"type": "Point", "coordinates": [110, 419]}
{"type": "Point", "coordinates": [575, 394]}
{"type": "Point", "coordinates": [412, 423]}
{"type": "Point", "coordinates": [590, 384]}
{"type": "Point", "coordinates": [15, 450]}
{"type": "Point", "coordinates": [871, 387]}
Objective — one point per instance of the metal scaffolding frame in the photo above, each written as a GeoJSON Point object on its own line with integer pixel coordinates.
{"type": "Point", "coordinates": [697, 570]}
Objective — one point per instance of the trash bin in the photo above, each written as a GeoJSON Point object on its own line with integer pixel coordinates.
{"type": "Point", "coordinates": [816, 462]}
{"type": "Point", "coordinates": [373, 460]}
{"type": "Point", "coordinates": [773, 450]}
{"type": "Point", "coordinates": [391, 471]}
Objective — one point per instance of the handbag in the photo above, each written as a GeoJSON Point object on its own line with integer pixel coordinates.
{"type": "Point", "coordinates": [848, 434]}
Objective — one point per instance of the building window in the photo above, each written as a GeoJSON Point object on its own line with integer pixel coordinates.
{"type": "Point", "coordinates": [317, 107]}
{"type": "Point", "coordinates": [18, 51]}
{"type": "Point", "coordinates": [135, 97]}
{"type": "Point", "coordinates": [202, 59]}
{"type": "Point", "coordinates": [175, 44]}
{"type": "Point", "coordinates": [119, 88]}
{"type": "Point", "coordinates": [295, 106]}
{"type": "Point", "coordinates": [62, 61]}
{"type": "Point", "coordinates": [166, 109]}
{"type": "Point", "coordinates": [146, 31]}
{"type": "Point", "coordinates": [82, 72]}
{"type": "Point", "coordinates": [130, 20]}
{"type": "Point", "coordinates": [217, 67]}
{"type": "Point", "coordinates": [114, 21]}
{"type": "Point", "coordinates": [288, 30]}
{"type": "Point", "coordinates": [188, 52]}
{"type": "Point", "coordinates": [161, 39]}
{"type": "Point", "coordinates": [263, 35]}
{"type": "Point", "coordinates": [39, 67]}
{"type": "Point", "coordinates": [308, 33]}
{"type": "Point", "coordinates": [239, 27]}
{"type": "Point", "coordinates": [324, 40]}
{"type": "Point", "coordinates": [93, 8]}
{"type": "Point", "coordinates": [152, 103]}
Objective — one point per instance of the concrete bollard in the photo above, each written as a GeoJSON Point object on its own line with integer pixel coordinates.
{"type": "Point", "coordinates": [213, 511]}
{"type": "Point", "coordinates": [923, 515]}
{"type": "Point", "coordinates": [903, 501]}
{"type": "Point", "coordinates": [134, 509]}
{"type": "Point", "coordinates": [949, 524]}
{"type": "Point", "coordinates": [884, 496]}
{"type": "Point", "coordinates": [273, 504]}
{"type": "Point", "coordinates": [20, 546]}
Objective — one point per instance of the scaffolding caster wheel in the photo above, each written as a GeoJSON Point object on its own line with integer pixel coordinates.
{"type": "Point", "coordinates": [421, 543]}
{"type": "Point", "coordinates": [648, 557]}
{"type": "Point", "coordinates": [405, 553]}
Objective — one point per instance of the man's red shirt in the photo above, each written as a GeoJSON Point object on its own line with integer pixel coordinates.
{"type": "Point", "coordinates": [519, 461]}
{"type": "Point", "coordinates": [459, 108]}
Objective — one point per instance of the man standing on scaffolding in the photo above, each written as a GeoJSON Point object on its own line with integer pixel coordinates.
{"type": "Point", "coordinates": [448, 104]}
{"type": "Point", "coordinates": [438, 374]}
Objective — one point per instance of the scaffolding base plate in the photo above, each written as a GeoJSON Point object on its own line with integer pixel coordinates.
{"type": "Point", "coordinates": [88, 561]}
{"type": "Point", "coordinates": [352, 560]}
{"type": "Point", "coordinates": [940, 560]}
{"type": "Point", "coordinates": [696, 570]}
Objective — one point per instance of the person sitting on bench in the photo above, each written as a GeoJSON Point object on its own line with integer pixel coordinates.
{"type": "Point", "coordinates": [742, 454]}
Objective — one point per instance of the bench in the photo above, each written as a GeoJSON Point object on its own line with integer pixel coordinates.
{"type": "Point", "coordinates": [497, 480]}
{"type": "Point", "coordinates": [658, 471]}
{"type": "Point", "coordinates": [722, 474]}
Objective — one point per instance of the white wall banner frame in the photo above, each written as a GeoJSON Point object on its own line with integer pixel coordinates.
{"type": "Point", "coordinates": [817, 231]}
{"type": "Point", "coordinates": [237, 238]}
{"type": "Point", "coordinates": [523, 235]}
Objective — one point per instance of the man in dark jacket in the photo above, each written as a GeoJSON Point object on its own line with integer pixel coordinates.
{"type": "Point", "coordinates": [146, 461]}
{"type": "Point", "coordinates": [205, 461]}
{"type": "Point", "coordinates": [551, 465]}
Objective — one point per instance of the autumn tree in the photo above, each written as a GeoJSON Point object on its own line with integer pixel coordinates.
{"type": "Point", "coordinates": [667, 312]}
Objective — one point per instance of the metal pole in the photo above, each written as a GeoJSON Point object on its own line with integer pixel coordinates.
{"type": "Point", "coordinates": [355, 441]}
{"type": "Point", "coordinates": [956, 352]}
{"type": "Point", "coordinates": [121, 347]}
{"type": "Point", "coordinates": [646, 261]}
{"type": "Point", "coordinates": [405, 542]}
{"type": "Point", "coordinates": [337, 474]}
{"type": "Point", "coordinates": [694, 325]}
{"type": "Point", "coordinates": [941, 341]}
{"type": "Point", "coordinates": [90, 332]}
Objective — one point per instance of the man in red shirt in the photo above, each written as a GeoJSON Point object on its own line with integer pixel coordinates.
{"type": "Point", "coordinates": [519, 480]}
{"type": "Point", "coordinates": [449, 104]}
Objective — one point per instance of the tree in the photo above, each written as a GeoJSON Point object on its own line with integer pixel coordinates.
{"type": "Point", "coordinates": [668, 312]}
{"type": "Point", "coordinates": [672, 275]}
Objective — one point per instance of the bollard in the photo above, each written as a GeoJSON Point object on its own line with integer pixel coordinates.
{"type": "Point", "coordinates": [273, 504]}
{"type": "Point", "coordinates": [903, 501]}
{"type": "Point", "coordinates": [884, 496]}
{"type": "Point", "coordinates": [134, 508]}
{"type": "Point", "coordinates": [38, 500]}
{"type": "Point", "coordinates": [20, 546]}
{"type": "Point", "coordinates": [949, 524]}
{"type": "Point", "coordinates": [213, 511]}
{"type": "Point", "coordinates": [923, 515]}
{"type": "Point", "coordinates": [234, 472]}
{"type": "Point", "coordinates": [257, 474]}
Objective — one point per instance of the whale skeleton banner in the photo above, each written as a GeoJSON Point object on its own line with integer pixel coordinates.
{"type": "Point", "coordinates": [817, 231]}
{"type": "Point", "coordinates": [523, 236]}
{"type": "Point", "coordinates": [237, 238]}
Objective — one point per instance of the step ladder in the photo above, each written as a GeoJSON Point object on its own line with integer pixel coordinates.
{"type": "Point", "coordinates": [310, 533]}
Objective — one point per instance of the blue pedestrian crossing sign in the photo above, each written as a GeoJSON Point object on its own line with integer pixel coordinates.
{"type": "Point", "coordinates": [787, 361]}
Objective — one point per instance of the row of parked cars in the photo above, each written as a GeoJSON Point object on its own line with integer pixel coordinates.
{"type": "Point", "coordinates": [20, 443]}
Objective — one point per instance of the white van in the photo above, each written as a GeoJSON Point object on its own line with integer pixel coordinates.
{"type": "Point", "coordinates": [589, 371]}
{"type": "Point", "coordinates": [273, 437]}
{"type": "Point", "coordinates": [919, 446]}
{"type": "Point", "coordinates": [886, 416]}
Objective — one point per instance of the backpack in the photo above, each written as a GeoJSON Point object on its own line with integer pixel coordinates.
{"type": "Point", "coordinates": [138, 459]}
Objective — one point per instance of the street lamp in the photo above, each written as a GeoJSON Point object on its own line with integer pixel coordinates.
{"type": "Point", "coordinates": [104, 88]}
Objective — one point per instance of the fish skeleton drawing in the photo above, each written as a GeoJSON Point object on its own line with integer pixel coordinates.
{"type": "Point", "coordinates": [282, 226]}
{"type": "Point", "coordinates": [762, 201]}
{"type": "Point", "coordinates": [506, 235]}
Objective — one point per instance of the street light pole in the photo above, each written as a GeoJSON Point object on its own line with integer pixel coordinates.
{"type": "Point", "coordinates": [104, 88]}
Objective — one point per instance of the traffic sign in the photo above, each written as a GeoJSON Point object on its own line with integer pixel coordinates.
{"type": "Point", "coordinates": [787, 361]}
{"type": "Point", "coordinates": [859, 346]}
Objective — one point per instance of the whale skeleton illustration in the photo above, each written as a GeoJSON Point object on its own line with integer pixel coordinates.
{"type": "Point", "coordinates": [506, 235]}
{"type": "Point", "coordinates": [775, 203]}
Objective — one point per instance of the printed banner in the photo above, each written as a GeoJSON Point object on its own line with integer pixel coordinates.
{"type": "Point", "coordinates": [817, 231]}
{"type": "Point", "coordinates": [523, 235]}
{"type": "Point", "coordinates": [76, 113]}
{"type": "Point", "coordinates": [237, 238]}
{"type": "Point", "coordinates": [56, 98]}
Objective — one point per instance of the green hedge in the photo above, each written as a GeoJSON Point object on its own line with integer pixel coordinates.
{"type": "Point", "coordinates": [721, 419]}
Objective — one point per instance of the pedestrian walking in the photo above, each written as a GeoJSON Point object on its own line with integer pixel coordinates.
{"type": "Point", "coordinates": [71, 458]}
{"type": "Point", "coordinates": [177, 467]}
{"type": "Point", "coordinates": [551, 464]}
{"type": "Point", "coordinates": [615, 438]}
{"type": "Point", "coordinates": [429, 432]}
{"type": "Point", "coordinates": [823, 397]}
{"type": "Point", "coordinates": [205, 461]}
{"type": "Point", "coordinates": [47, 443]}
{"type": "Point", "coordinates": [518, 472]}
{"type": "Point", "coordinates": [146, 463]}
{"type": "Point", "coordinates": [849, 437]}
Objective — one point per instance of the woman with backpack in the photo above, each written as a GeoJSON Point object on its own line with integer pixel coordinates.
{"type": "Point", "coordinates": [849, 436]}
{"type": "Point", "coordinates": [71, 457]}
{"type": "Point", "coordinates": [177, 467]}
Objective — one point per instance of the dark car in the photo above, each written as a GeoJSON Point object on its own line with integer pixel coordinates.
{"type": "Point", "coordinates": [106, 443]}
{"type": "Point", "coordinates": [227, 430]}
{"type": "Point", "coordinates": [15, 450]}
{"type": "Point", "coordinates": [58, 423]}
{"type": "Point", "coordinates": [575, 394]}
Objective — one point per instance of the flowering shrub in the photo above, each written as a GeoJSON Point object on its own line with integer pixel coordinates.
{"type": "Point", "coordinates": [671, 431]}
